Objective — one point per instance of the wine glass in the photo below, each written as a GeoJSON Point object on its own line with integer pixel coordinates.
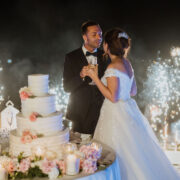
{"type": "Point", "coordinates": [92, 64]}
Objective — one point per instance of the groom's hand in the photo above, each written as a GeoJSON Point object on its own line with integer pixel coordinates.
{"type": "Point", "coordinates": [83, 72]}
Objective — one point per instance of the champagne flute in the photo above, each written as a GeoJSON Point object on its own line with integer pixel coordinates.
{"type": "Point", "coordinates": [92, 64]}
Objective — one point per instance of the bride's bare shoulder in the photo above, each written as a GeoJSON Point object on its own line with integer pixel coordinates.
{"type": "Point", "coordinates": [118, 66]}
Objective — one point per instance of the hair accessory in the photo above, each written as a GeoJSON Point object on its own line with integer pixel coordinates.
{"type": "Point", "coordinates": [123, 34]}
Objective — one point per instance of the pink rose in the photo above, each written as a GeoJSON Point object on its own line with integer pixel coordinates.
{"type": "Point", "coordinates": [26, 132]}
{"type": "Point", "coordinates": [47, 166]}
{"type": "Point", "coordinates": [89, 166]}
{"type": "Point", "coordinates": [23, 140]}
{"type": "Point", "coordinates": [24, 95]}
{"type": "Point", "coordinates": [26, 139]}
{"type": "Point", "coordinates": [11, 167]}
{"type": "Point", "coordinates": [24, 165]}
{"type": "Point", "coordinates": [33, 117]}
{"type": "Point", "coordinates": [34, 136]}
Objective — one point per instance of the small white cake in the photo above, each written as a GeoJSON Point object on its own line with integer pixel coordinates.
{"type": "Point", "coordinates": [38, 123]}
{"type": "Point", "coordinates": [38, 84]}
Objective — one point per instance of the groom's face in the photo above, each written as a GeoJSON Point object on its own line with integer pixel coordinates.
{"type": "Point", "coordinates": [93, 36]}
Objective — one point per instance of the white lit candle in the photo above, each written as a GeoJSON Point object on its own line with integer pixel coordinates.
{"type": "Point", "coordinates": [72, 164]}
{"type": "Point", "coordinates": [3, 173]}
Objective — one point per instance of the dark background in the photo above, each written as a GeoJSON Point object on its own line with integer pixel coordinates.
{"type": "Point", "coordinates": [36, 35]}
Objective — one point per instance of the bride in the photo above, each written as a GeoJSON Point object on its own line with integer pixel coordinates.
{"type": "Point", "coordinates": [121, 125]}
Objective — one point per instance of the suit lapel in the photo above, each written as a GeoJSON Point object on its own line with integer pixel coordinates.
{"type": "Point", "coordinates": [83, 60]}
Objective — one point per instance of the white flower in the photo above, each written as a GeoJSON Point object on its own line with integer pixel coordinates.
{"type": "Point", "coordinates": [54, 173]}
{"type": "Point", "coordinates": [26, 89]}
{"type": "Point", "coordinates": [4, 160]}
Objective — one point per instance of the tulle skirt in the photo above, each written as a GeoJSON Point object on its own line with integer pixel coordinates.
{"type": "Point", "coordinates": [123, 127]}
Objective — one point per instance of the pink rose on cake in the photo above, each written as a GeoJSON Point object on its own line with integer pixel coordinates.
{"type": "Point", "coordinates": [34, 115]}
{"type": "Point", "coordinates": [25, 93]}
{"type": "Point", "coordinates": [28, 136]}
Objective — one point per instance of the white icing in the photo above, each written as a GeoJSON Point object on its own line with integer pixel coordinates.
{"type": "Point", "coordinates": [38, 84]}
{"type": "Point", "coordinates": [48, 125]}
{"type": "Point", "coordinates": [52, 143]}
{"type": "Point", "coordinates": [44, 105]}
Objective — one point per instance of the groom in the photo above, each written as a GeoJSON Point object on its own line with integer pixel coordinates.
{"type": "Point", "coordinates": [85, 99]}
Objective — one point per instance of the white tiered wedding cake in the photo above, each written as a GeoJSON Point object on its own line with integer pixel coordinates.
{"type": "Point", "coordinates": [38, 124]}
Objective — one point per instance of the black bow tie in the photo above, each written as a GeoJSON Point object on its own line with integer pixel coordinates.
{"type": "Point", "coordinates": [91, 54]}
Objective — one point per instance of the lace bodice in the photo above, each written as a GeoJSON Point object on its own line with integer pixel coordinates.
{"type": "Point", "coordinates": [124, 81]}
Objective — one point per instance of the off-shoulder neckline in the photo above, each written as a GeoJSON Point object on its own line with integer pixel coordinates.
{"type": "Point", "coordinates": [121, 73]}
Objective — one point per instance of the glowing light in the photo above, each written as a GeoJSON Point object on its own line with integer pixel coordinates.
{"type": "Point", "coordinates": [9, 61]}
{"type": "Point", "coordinates": [162, 91]}
{"type": "Point", "coordinates": [61, 96]}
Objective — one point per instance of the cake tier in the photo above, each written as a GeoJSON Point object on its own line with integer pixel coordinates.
{"type": "Point", "coordinates": [48, 125]}
{"type": "Point", "coordinates": [52, 143]}
{"type": "Point", "coordinates": [44, 105]}
{"type": "Point", "coordinates": [38, 84]}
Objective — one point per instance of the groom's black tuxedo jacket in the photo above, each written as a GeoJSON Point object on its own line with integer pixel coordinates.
{"type": "Point", "coordinates": [85, 100]}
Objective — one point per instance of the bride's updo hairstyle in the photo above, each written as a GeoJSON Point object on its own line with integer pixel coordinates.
{"type": "Point", "coordinates": [118, 42]}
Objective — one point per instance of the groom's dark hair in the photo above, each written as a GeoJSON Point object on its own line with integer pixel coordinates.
{"type": "Point", "coordinates": [86, 24]}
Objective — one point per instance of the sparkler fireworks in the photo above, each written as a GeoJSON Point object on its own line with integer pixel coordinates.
{"type": "Point", "coordinates": [162, 91]}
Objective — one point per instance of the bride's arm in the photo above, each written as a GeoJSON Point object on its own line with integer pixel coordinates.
{"type": "Point", "coordinates": [111, 90]}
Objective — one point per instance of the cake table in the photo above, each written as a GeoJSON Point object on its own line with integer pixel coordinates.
{"type": "Point", "coordinates": [111, 172]}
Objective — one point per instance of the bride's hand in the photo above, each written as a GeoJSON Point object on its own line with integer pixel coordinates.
{"type": "Point", "coordinates": [92, 72]}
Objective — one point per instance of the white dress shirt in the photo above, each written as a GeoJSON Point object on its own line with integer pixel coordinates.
{"type": "Point", "coordinates": [91, 59]}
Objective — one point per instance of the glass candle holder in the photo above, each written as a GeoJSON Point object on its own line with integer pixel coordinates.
{"type": "Point", "coordinates": [69, 148]}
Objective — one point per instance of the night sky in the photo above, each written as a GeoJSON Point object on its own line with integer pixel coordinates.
{"type": "Point", "coordinates": [36, 35]}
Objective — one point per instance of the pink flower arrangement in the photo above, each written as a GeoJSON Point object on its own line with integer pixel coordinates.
{"type": "Point", "coordinates": [90, 152]}
{"type": "Point", "coordinates": [12, 166]}
{"type": "Point", "coordinates": [33, 117]}
{"type": "Point", "coordinates": [89, 166]}
{"type": "Point", "coordinates": [47, 165]}
{"type": "Point", "coordinates": [62, 166]}
{"type": "Point", "coordinates": [24, 165]}
{"type": "Point", "coordinates": [89, 163]}
{"type": "Point", "coordinates": [27, 137]}
{"type": "Point", "coordinates": [25, 93]}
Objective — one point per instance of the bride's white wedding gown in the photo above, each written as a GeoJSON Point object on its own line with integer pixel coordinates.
{"type": "Point", "coordinates": [123, 127]}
